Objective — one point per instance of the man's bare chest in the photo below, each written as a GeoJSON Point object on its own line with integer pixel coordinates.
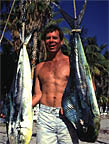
{"type": "Point", "coordinates": [52, 71]}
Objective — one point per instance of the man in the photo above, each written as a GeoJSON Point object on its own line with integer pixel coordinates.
{"type": "Point", "coordinates": [50, 81]}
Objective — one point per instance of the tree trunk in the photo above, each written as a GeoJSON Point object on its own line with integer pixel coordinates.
{"type": "Point", "coordinates": [34, 53]}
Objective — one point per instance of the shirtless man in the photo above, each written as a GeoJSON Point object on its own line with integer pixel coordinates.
{"type": "Point", "coordinates": [50, 81]}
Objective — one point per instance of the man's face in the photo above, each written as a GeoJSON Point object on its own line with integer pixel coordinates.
{"type": "Point", "coordinates": [53, 42]}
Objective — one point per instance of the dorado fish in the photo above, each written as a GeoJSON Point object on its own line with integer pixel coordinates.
{"type": "Point", "coordinates": [20, 117]}
{"type": "Point", "coordinates": [79, 101]}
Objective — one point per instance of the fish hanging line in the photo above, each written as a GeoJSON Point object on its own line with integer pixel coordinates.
{"type": "Point", "coordinates": [7, 21]}
{"type": "Point", "coordinates": [23, 39]}
{"type": "Point", "coordinates": [75, 16]}
{"type": "Point", "coordinates": [23, 20]}
{"type": "Point", "coordinates": [74, 6]}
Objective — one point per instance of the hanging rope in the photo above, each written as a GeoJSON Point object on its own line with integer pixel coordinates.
{"type": "Point", "coordinates": [75, 16]}
{"type": "Point", "coordinates": [74, 5]}
{"type": "Point", "coordinates": [7, 21]}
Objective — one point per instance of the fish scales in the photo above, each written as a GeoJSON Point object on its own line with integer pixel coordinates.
{"type": "Point", "coordinates": [20, 121]}
{"type": "Point", "coordinates": [79, 100]}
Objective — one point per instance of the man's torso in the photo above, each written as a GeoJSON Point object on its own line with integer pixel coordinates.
{"type": "Point", "coordinates": [53, 77]}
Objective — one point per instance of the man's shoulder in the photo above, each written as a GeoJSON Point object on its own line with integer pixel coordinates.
{"type": "Point", "coordinates": [65, 57]}
{"type": "Point", "coordinates": [39, 65]}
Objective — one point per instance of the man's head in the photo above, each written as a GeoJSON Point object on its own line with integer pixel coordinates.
{"type": "Point", "coordinates": [52, 28]}
{"type": "Point", "coordinates": [53, 37]}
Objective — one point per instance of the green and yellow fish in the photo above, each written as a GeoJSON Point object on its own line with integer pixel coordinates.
{"type": "Point", "coordinates": [20, 117]}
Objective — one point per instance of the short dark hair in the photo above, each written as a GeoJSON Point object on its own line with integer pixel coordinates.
{"type": "Point", "coordinates": [51, 28]}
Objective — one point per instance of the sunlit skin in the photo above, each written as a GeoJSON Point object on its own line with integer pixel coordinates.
{"type": "Point", "coordinates": [52, 75]}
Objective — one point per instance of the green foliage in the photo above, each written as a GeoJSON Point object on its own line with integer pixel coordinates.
{"type": "Point", "coordinates": [99, 66]}
{"type": "Point", "coordinates": [31, 7]}
{"type": "Point", "coordinates": [103, 99]}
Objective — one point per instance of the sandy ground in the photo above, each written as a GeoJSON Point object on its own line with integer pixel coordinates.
{"type": "Point", "coordinates": [103, 137]}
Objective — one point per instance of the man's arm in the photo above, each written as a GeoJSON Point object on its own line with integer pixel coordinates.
{"type": "Point", "coordinates": [37, 89]}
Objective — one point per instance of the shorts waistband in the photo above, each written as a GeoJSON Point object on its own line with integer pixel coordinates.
{"type": "Point", "coordinates": [48, 109]}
